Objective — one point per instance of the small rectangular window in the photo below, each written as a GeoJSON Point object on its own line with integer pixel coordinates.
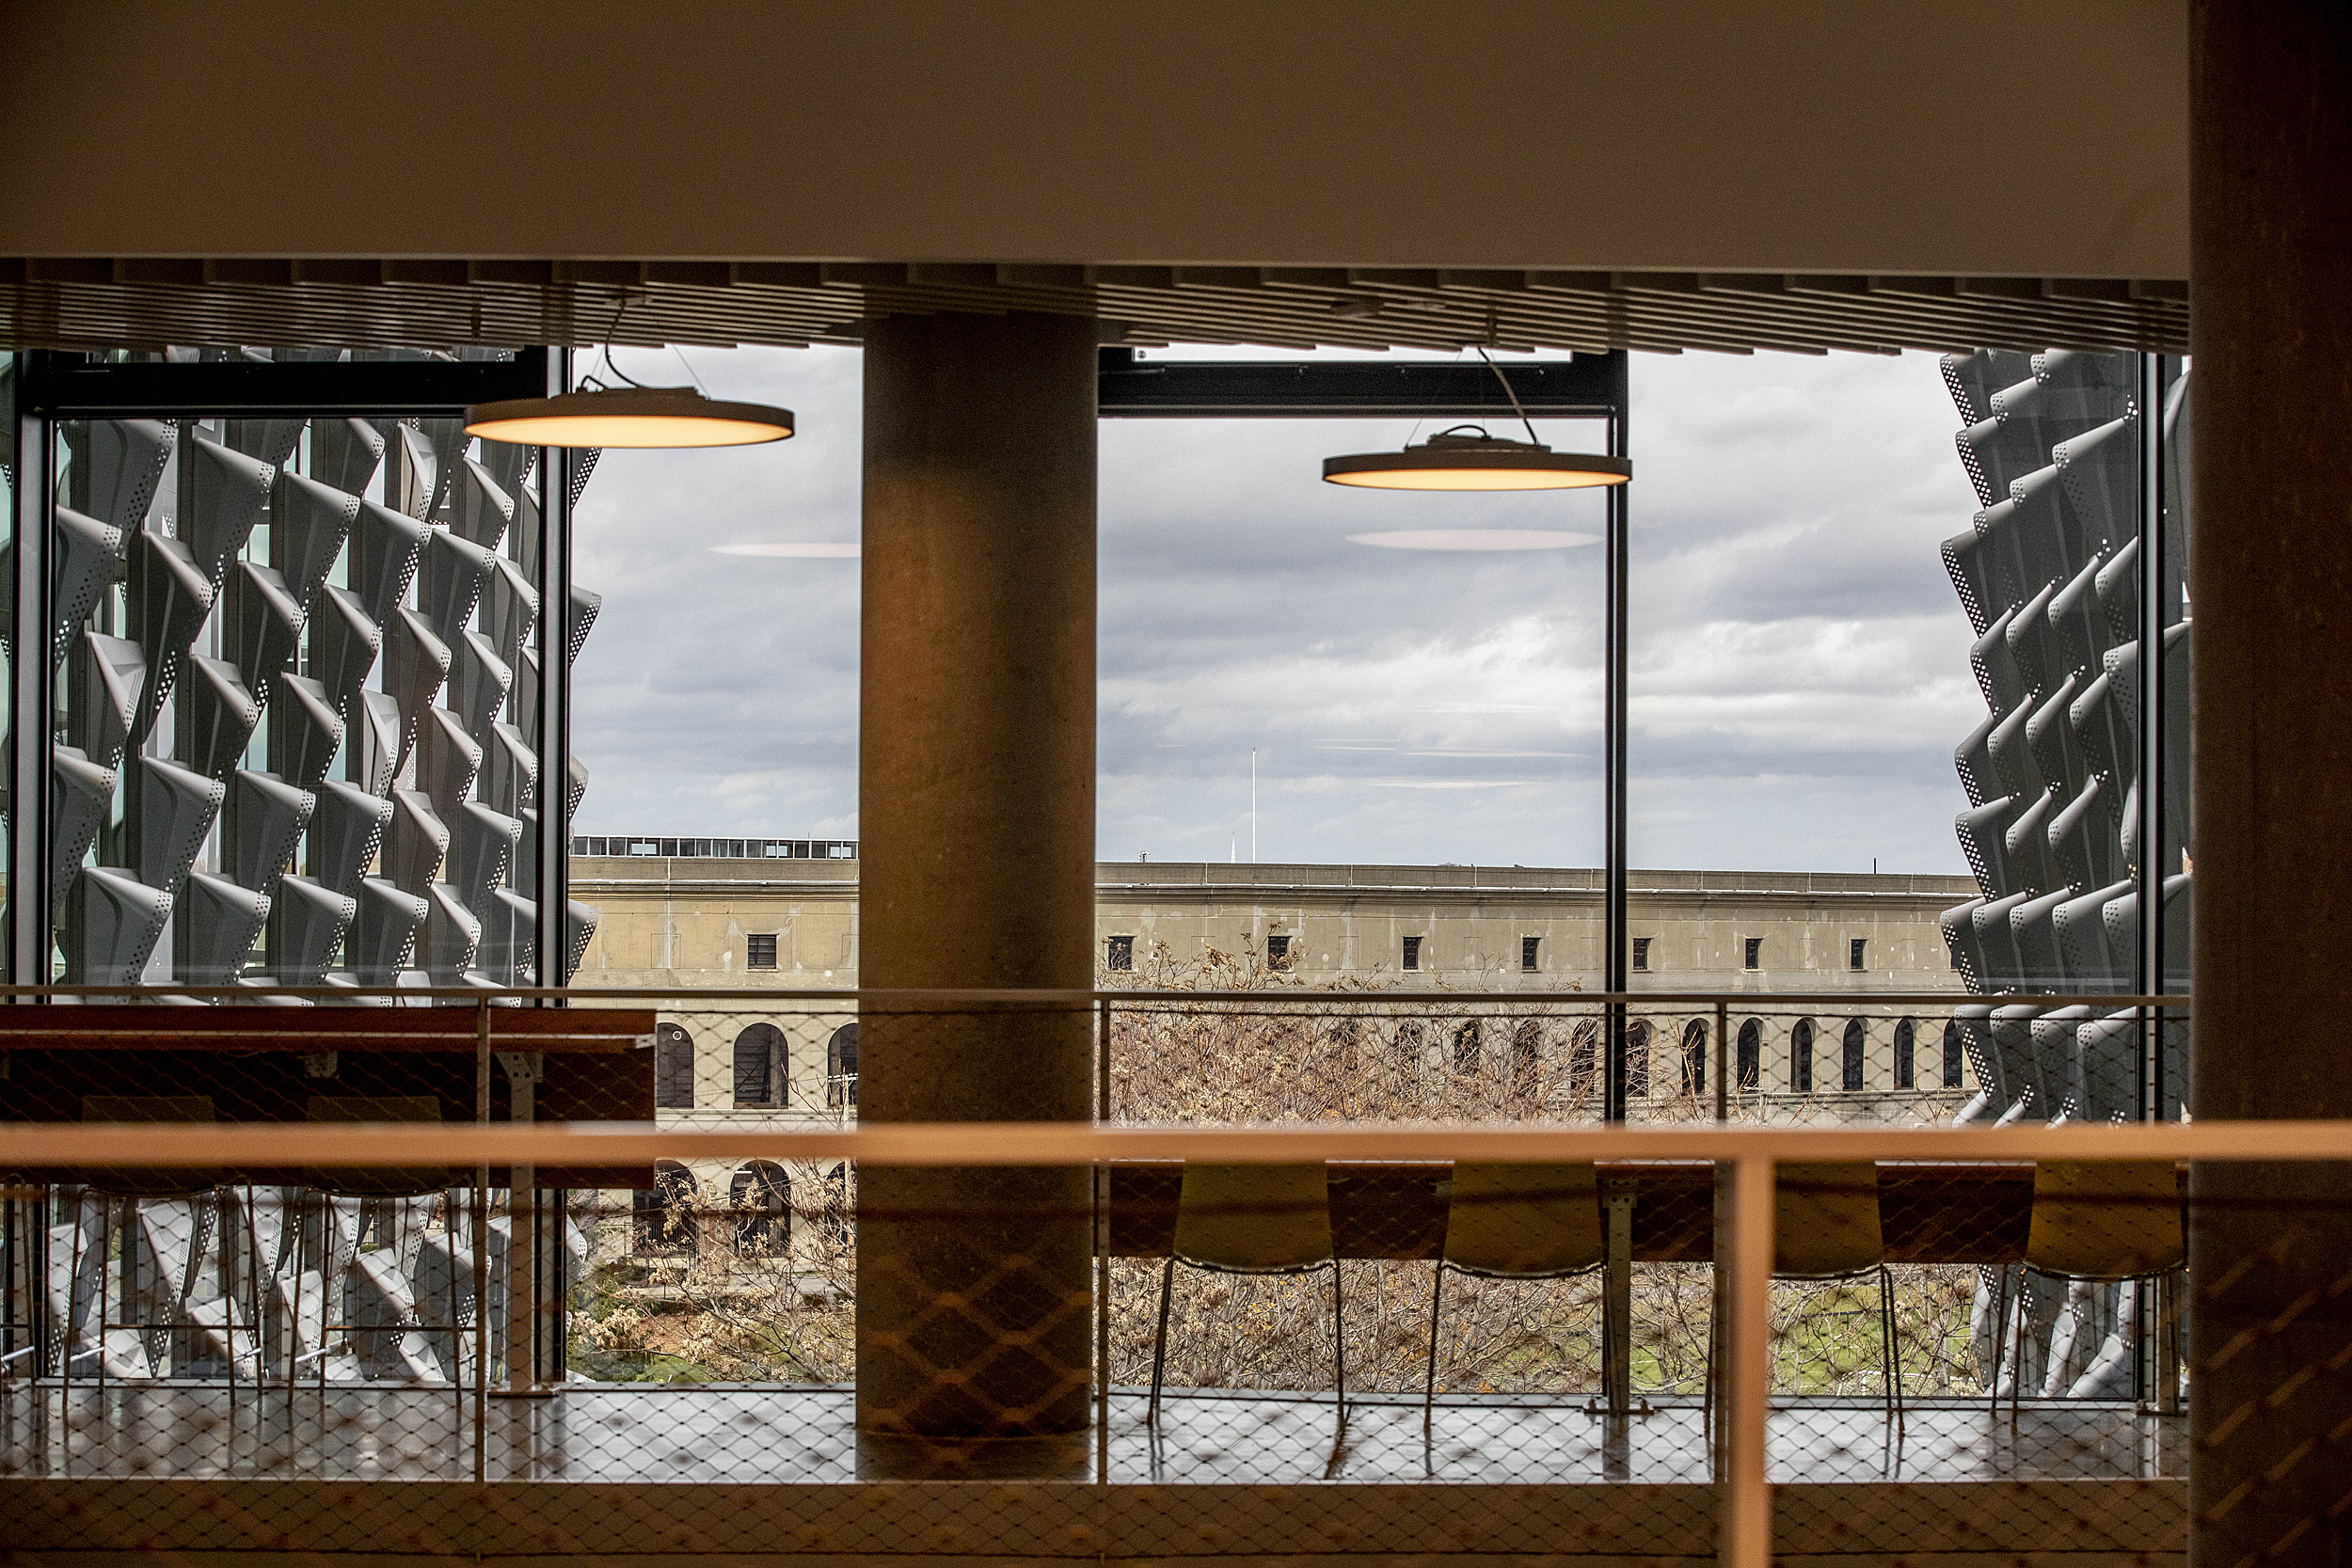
{"type": "Point", "coordinates": [1755, 954]}
{"type": "Point", "coordinates": [1641, 953]}
{"type": "Point", "coordinates": [1412, 952]}
{"type": "Point", "coordinates": [1277, 952]}
{"type": "Point", "coordinates": [759, 952]}
{"type": "Point", "coordinates": [1527, 946]}
{"type": "Point", "coordinates": [1119, 955]}
{"type": "Point", "coordinates": [1855, 951]}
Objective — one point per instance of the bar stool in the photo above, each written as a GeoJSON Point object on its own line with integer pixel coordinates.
{"type": "Point", "coordinates": [1253, 1220]}
{"type": "Point", "coordinates": [1826, 1229]}
{"type": "Point", "coordinates": [1516, 1221]}
{"type": "Point", "coordinates": [379, 1184]}
{"type": "Point", "coordinates": [2108, 1222]}
{"type": "Point", "coordinates": [125, 1186]}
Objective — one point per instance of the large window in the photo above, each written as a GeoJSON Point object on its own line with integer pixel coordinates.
{"type": "Point", "coordinates": [301, 676]}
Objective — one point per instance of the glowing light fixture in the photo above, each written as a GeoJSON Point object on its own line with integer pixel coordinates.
{"type": "Point", "coordinates": [1466, 458]}
{"type": "Point", "coordinates": [629, 417]}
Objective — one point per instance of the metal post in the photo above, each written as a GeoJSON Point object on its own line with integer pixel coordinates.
{"type": "Point", "coordinates": [29, 721]}
{"type": "Point", "coordinates": [2149, 869]}
{"type": "Point", "coordinates": [1723, 1061]}
{"type": "Point", "coordinates": [1103, 1254]}
{"type": "Point", "coordinates": [1617, 1293]}
{"type": "Point", "coordinates": [554, 739]}
{"type": "Point", "coordinates": [1617, 1197]}
{"type": "Point", "coordinates": [482, 1247]}
{"type": "Point", "coordinates": [524, 1069]}
{"type": "Point", "coordinates": [1614, 769]}
{"type": "Point", "coordinates": [1743, 1498]}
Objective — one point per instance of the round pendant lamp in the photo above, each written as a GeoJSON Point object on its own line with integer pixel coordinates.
{"type": "Point", "coordinates": [629, 417]}
{"type": "Point", "coordinates": [1466, 458]}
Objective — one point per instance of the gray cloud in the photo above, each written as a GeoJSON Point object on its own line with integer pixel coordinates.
{"type": "Point", "coordinates": [1800, 662]}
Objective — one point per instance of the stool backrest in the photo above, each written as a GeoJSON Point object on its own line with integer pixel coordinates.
{"type": "Point", "coordinates": [2105, 1219]}
{"type": "Point", "coordinates": [1527, 1222]}
{"type": "Point", "coordinates": [1254, 1218]}
{"type": "Point", "coordinates": [1825, 1221]}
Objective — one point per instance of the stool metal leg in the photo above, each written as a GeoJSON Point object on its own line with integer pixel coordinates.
{"type": "Point", "coordinates": [1159, 1340]}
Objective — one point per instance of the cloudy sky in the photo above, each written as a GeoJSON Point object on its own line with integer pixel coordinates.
{"type": "Point", "coordinates": [1800, 662]}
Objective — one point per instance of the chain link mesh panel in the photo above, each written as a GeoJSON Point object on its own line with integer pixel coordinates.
{"type": "Point", "coordinates": [683, 1351]}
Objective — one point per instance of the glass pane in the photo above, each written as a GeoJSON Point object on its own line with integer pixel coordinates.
{"type": "Point", "coordinates": [297, 737]}
{"type": "Point", "coordinates": [1799, 671]}
{"type": "Point", "coordinates": [8, 460]}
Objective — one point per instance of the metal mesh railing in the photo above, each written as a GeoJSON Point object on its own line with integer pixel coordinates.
{"type": "Point", "coordinates": [1529, 1310]}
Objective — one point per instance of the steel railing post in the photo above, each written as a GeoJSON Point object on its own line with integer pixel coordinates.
{"type": "Point", "coordinates": [1743, 1498]}
{"type": "Point", "coordinates": [482, 1248]}
{"type": "Point", "coordinates": [1103, 1254]}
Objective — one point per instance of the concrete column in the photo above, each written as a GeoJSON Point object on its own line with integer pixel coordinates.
{"type": "Point", "coordinates": [2271, 585]}
{"type": "Point", "coordinates": [976, 822]}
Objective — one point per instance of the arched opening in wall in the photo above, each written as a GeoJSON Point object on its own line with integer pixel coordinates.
{"type": "Point", "coordinates": [1850, 1058]}
{"type": "Point", "coordinates": [1695, 1057]}
{"type": "Point", "coordinates": [1906, 1055]}
{"type": "Point", "coordinates": [661, 1216]}
{"type": "Point", "coordinates": [835, 1213]}
{"type": "Point", "coordinates": [1584, 1060]}
{"type": "Point", "coordinates": [841, 1066]}
{"type": "Point", "coordinates": [1953, 1056]}
{"type": "Point", "coordinates": [1527, 1063]}
{"type": "Point", "coordinates": [672, 1068]}
{"type": "Point", "coordinates": [1466, 1046]}
{"type": "Point", "coordinates": [759, 1066]}
{"type": "Point", "coordinates": [1750, 1050]}
{"type": "Point", "coordinates": [760, 1195]}
{"type": "Point", "coordinates": [1345, 1057]}
{"type": "Point", "coordinates": [1637, 1044]}
{"type": "Point", "coordinates": [1409, 1050]}
{"type": "Point", "coordinates": [1801, 1057]}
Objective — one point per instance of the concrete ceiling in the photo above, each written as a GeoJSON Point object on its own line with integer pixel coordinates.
{"type": "Point", "coordinates": [1576, 149]}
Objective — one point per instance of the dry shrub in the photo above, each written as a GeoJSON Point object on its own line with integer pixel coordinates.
{"type": "Point", "coordinates": [720, 1309]}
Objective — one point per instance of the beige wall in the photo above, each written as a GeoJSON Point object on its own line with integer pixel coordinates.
{"type": "Point", "coordinates": [1833, 135]}
{"type": "Point", "coordinates": [685, 923]}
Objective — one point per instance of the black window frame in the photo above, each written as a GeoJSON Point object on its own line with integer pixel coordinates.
{"type": "Point", "coordinates": [751, 948]}
{"type": "Point", "coordinates": [672, 1068]}
{"type": "Point", "coordinates": [1641, 954]}
{"type": "Point", "coordinates": [1410, 957]}
{"type": "Point", "coordinates": [760, 1054]}
{"type": "Point", "coordinates": [1119, 955]}
{"type": "Point", "coordinates": [1531, 955]}
{"type": "Point", "coordinates": [841, 1066]}
{"type": "Point", "coordinates": [1752, 953]}
{"type": "Point", "coordinates": [1857, 953]}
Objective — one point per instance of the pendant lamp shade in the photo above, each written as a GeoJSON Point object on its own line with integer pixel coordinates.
{"type": "Point", "coordinates": [629, 417]}
{"type": "Point", "coordinates": [1466, 458]}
